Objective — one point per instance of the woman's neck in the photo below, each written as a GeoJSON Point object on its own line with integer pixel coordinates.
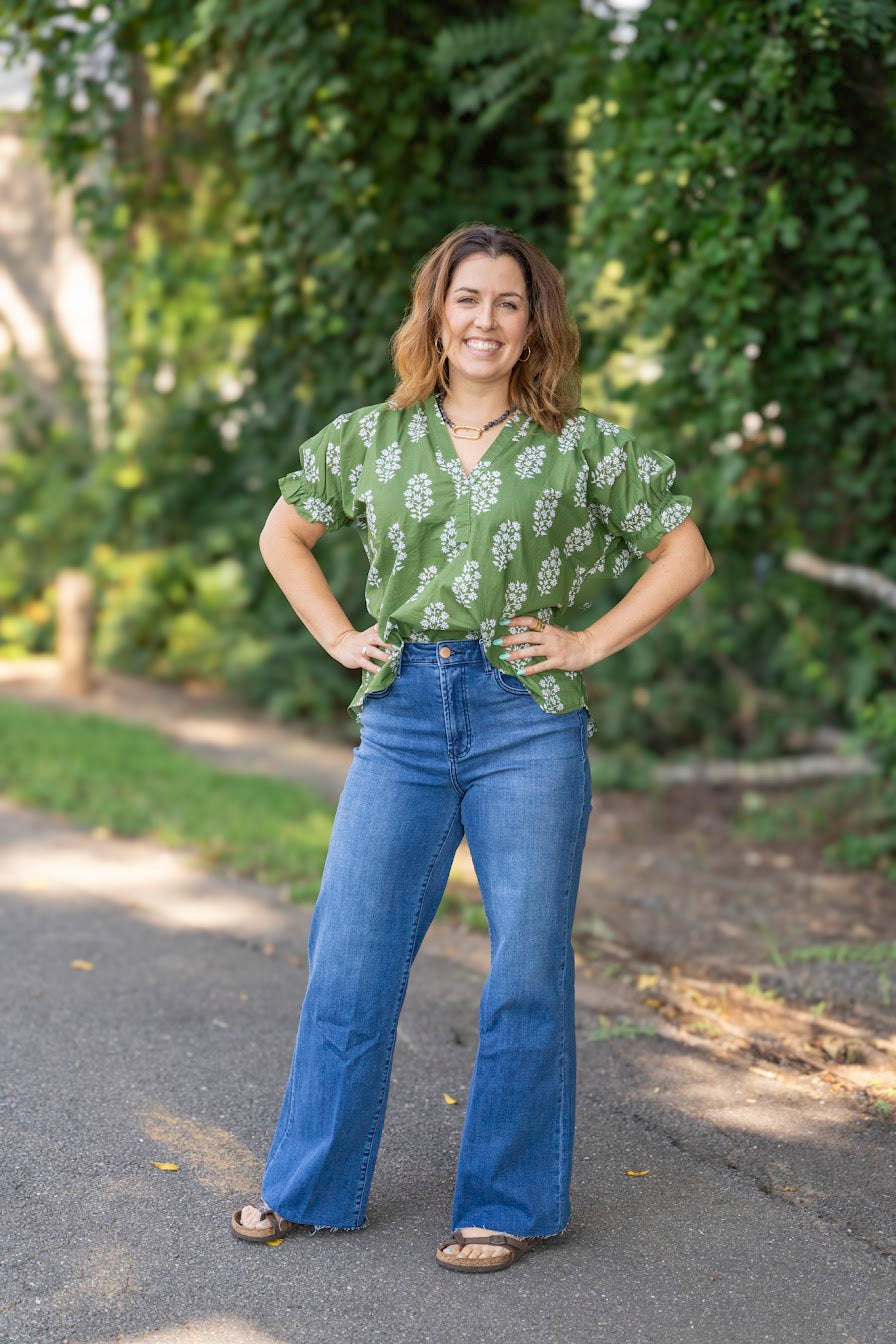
{"type": "Point", "coordinates": [476, 403]}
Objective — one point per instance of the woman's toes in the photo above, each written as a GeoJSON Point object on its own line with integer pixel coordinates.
{"type": "Point", "coordinates": [252, 1217]}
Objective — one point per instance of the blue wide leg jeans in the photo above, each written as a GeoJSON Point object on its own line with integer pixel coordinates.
{"type": "Point", "coordinates": [451, 747]}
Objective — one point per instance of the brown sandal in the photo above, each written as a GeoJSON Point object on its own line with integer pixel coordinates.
{"type": "Point", "coordinates": [514, 1246]}
{"type": "Point", "coordinates": [280, 1227]}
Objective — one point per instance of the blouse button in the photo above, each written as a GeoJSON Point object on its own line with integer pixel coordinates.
{"type": "Point", "coordinates": [445, 653]}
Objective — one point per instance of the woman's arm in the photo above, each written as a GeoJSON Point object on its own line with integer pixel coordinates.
{"type": "Point", "coordinates": [286, 543]}
{"type": "Point", "coordinates": [678, 565]}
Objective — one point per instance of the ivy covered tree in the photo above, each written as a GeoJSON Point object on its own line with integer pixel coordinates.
{"type": "Point", "coordinates": [260, 180]}
{"type": "Point", "coordinates": [734, 261]}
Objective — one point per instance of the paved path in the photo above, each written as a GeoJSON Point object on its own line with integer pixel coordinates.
{"type": "Point", "coordinates": [767, 1214]}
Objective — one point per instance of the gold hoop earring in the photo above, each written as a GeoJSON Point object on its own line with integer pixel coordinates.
{"type": "Point", "coordinates": [523, 359]}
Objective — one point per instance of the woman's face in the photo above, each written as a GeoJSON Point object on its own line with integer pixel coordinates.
{"type": "Point", "coordinates": [486, 318]}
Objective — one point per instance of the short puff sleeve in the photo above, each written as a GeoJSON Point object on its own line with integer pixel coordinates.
{"type": "Point", "coordinates": [630, 489]}
{"type": "Point", "coordinates": [322, 488]}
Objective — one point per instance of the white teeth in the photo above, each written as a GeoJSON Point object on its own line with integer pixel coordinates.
{"type": "Point", "coordinates": [483, 345]}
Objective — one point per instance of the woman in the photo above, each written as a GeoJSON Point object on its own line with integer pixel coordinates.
{"type": "Point", "coordinates": [491, 508]}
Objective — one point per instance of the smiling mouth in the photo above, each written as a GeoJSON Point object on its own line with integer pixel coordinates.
{"type": "Point", "coordinates": [484, 347]}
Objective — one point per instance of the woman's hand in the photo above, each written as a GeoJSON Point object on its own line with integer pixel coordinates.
{"type": "Point", "coordinates": [568, 650]}
{"type": "Point", "coordinates": [362, 648]}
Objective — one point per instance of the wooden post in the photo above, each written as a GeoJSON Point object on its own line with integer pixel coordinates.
{"type": "Point", "coordinates": [74, 621]}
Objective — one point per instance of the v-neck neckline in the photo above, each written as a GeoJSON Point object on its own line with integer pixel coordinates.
{"type": "Point", "coordinates": [439, 429]}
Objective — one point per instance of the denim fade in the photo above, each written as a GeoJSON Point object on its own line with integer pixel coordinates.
{"type": "Point", "coordinates": [452, 747]}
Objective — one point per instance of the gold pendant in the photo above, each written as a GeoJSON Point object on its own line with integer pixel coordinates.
{"type": "Point", "coordinates": [467, 432]}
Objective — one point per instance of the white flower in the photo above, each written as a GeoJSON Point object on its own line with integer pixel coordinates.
{"type": "Point", "coordinates": [673, 515]}
{"type": "Point", "coordinates": [636, 518]}
{"type": "Point", "coordinates": [367, 427]}
{"type": "Point", "coordinates": [332, 458]}
{"type": "Point", "coordinates": [549, 571]}
{"type": "Point", "coordinates": [466, 586]}
{"type": "Point", "coordinates": [523, 429]}
{"type": "Point", "coordinates": [319, 510]}
{"type": "Point", "coordinates": [580, 494]}
{"type": "Point", "coordinates": [622, 560]}
{"type": "Point", "coordinates": [553, 701]}
{"type": "Point", "coordinates": [578, 580]}
{"type": "Point", "coordinates": [425, 578]}
{"type": "Point", "coordinates": [609, 468]}
{"type": "Point", "coordinates": [579, 539]}
{"type": "Point", "coordinates": [354, 476]}
{"type": "Point", "coordinates": [648, 466]}
{"type": "Point", "coordinates": [530, 461]}
{"type": "Point", "coordinates": [340, 420]}
{"type": "Point", "coordinates": [484, 491]}
{"type": "Point", "coordinates": [450, 544]}
{"type": "Point", "coordinates": [309, 462]}
{"type": "Point", "coordinates": [607, 427]}
{"type": "Point", "coordinates": [514, 598]}
{"type": "Point", "coordinates": [571, 434]}
{"type": "Point", "coordinates": [487, 629]}
{"type": "Point", "coordinates": [435, 617]}
{"type": "Point", "coordinates": [417, 427]}
{"type": "Point", "coordinates": [505, 543]}
{"type": "Point", "coordinates": [418, 496]}
{"type": "Point", "coordinates": [370, 512]}
{"type": "Point", "coordinates": [396, 536]}
{"type": "Point", "coordinates": [455, 471]}
{"type": "Point", "coordinates": [373, 578]}
{"type": "Point", "coordinates": [543, 513]}
{"type": "Point", "coordinates": [388, 462]}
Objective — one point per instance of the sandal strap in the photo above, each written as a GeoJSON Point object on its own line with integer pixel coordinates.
{"type": "Point", "coordinates": [278, 1224]}
{"type": "Point", "coordinates": [498, 1239]}
{"type": "Point", "coordinates": [513, 1244]}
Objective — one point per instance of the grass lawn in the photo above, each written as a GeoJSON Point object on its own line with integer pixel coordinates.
{"type": "Point", "coordinates": [130, 780]}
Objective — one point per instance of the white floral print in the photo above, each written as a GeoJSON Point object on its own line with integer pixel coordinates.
{"type": "Point", "coordinates": [466, 585]}
{"type": "Point", "coordinates": [388, 462]}
{"type": "Point", "coordinates": [505, 543]}
{"type": "Point", "coordinates": [418, 496]}
{"type": "Point", "coordinates": [541, 522]}
{"type": "Point", "coordinates": [545, 509]}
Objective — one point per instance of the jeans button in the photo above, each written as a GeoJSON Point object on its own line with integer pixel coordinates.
{"type": "Point", "coordinates": [445, 653]}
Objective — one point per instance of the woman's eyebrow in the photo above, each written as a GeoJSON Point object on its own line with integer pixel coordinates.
{"type": "Point", "coordinates": [506, 294]}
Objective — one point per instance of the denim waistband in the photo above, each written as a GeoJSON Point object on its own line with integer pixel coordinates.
{"type": "Point", "coordinates": [462, 651]}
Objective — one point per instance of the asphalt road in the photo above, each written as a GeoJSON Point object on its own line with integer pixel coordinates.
{"type": "Point", "coordinates": [767, 1214]}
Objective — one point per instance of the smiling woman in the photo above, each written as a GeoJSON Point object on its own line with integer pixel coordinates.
{"type": "Point", "coordinates": [487, 291]}
{"type": "Point", "coordinates": [487, 501]}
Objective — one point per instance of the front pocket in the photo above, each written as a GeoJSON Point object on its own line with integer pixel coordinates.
{"type": "Point", "coordinates": [378, 695]}
{"type": "Point", "coordinates": [510, 683]}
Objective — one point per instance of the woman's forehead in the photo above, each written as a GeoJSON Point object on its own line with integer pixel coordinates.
{"type": "Point", "coordinates": [490, 274]}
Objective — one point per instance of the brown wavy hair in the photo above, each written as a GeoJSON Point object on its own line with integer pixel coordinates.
{"type": "Point", "coordinates": [546, 386]}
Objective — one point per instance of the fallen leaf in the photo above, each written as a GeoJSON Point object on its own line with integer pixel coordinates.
{"type": "Point", "coordinates": [81, 965]}
{"type": "Point", "coordinates": [165, 1166]}
{"type": "Point", "coordinates": [647, 981]}
{"type": "Point", "coordinates": [452, 1101]}
{"type": "Point", "coordinates": [269, 949]}
{"type": "Point", "coordinates": [244, 998]}
{"type": "Point", "coordinates": [275, 1241]}
{"type": "Point", "coordinates": [638, 1173]}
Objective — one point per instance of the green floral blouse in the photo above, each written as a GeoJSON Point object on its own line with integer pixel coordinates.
{"type": "Point", "coordinates": [533, 529]}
